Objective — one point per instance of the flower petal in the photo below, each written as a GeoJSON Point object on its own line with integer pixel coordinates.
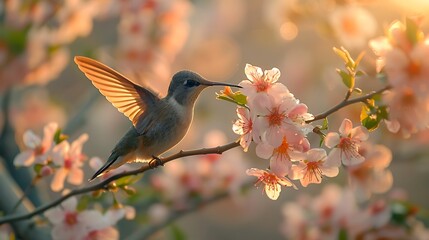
{"type": "Point", "coordinates": [31, 140]}
{"type": "Point", "coordinates": [54, 215]}
{"type": "Point", "coordinates": [346, 127]}
{"type": "Point", "coordinates": [253, 73]}
{"type": "Point", "coordinates": [272, 75]}
{"type": "Point", "coordinates": [332, 139]}
{"type": "Point", "coordinates": [70, 204]}
{"type": "Point", "coordinates": [329, 171]}
{"type": "Point", "coordinates": [255, 172]}
{"type": "Point", "coordinates": [48, 134]}
{"type": "Point", "coordinates": [58, 181]}
{"type": "Point", "coordinates": [25, 158]}
{"type": "Point", "coordinates": [316, 154]}
{"type": "Point", "coordinates": [75, 176]}
{"type": "Point", "coordinates": [360, 133]}
{"type": "Point", "coordinates": [264, 150]}
{"type": "Point", "coordinates": [273, 192]}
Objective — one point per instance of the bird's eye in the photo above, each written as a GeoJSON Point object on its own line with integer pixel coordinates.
{"type": "Point", "coordinates": [190, 83]}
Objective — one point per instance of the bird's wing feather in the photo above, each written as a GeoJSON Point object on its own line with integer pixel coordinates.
{"type": "Point", "coordinates": [129, 98]}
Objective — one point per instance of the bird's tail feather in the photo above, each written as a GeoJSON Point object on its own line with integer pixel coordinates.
{"type": "Point", "coordinates": [106, 166]}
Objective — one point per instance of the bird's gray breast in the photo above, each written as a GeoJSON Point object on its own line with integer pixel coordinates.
{"type": "Point", "coordinates": [163, 126]}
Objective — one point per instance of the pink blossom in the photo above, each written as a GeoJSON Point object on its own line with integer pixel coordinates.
{"type": "Point", "coordinates": [346, 144]}
{"type": "Point", "coordinates": [277, 117]}
{"type": "Point", "coordinates": [68, 158]}
{"type": "Point", "coordinates": [244, 127]}
{"type": "Point", "coordinates": [259, 81]}
{"type": "Point", "coordinates": [407, 110]}
{"type": "Point", "coordinates": [313, 165]}
{"type": "Point", "coordinates": [271, 181]}
{"type": "Point", "coordinates": [39, 149]}
{"type": "Point", "coordinates": [108, 233]}
{"type": "Point", "coordinates": [281, 157]}
{"type": "Point", "coordinates": [352, 25]}
{"type": "Point", "coordinates": [70, 224]}
{"type": "Point", "coordinates": [372, 175]}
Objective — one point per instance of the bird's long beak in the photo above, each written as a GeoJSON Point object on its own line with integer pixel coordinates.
{"type": "Point", "coordinates": [209, 83]}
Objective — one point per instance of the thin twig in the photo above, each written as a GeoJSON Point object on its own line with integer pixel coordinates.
{"type": "Point", "coordinates": [347, 102]}
{"type": "Point", "coordinates": [104, 184]}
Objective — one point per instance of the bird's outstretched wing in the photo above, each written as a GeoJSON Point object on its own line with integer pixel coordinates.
{"type": "Point", "coordinates": [129, 98]}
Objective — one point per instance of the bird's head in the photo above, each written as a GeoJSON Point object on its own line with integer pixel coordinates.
{"type": "Point", "coordinates": [186, 86]}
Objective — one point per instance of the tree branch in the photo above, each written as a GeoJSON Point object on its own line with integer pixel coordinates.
{"type": "Point", "coordinates": [347, 102]}
{"type": "Point", "coordinates": [104, 184]}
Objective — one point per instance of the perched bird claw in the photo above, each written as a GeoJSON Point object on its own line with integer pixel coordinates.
{"type": "Point", "coordinates": [155, 162]}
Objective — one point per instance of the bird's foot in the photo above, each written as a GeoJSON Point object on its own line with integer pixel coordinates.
{"type": "Point", "coordinates": [155, 162]}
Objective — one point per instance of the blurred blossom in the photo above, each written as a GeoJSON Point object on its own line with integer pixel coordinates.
{"type": "Point", "coordinates": [346, 143]}
{"type": "Point", "coordinates": [272, 182]}
{"type": "Point", "coordinates": [151, 33]}
{"type": "Point", "coordinates": [203, 176]}
{"type": "Point", "coordinates": [34, 110]}
{"type": "Point", "coordinates": [281, 14]}
{"type": "Point", "coordinates": [68, 160]}
{"type": "Point", "coordinates": [352, 25]}
{"type": "Point", "coordinates": [72, 224]}
{"type": "Point", "coordinates": [372, 175]}
{"type": "Point", "coordinates": [401, 56]}
{"type": "Point", "coordinates": [39, 150]}
{"type": "Point", "coordinates": [335, 214]}
{"type": "Point", "coordinates": [158, 213]}
{"type": "Point", "coordinates": [75, 19]}
{"type": "Point", "coordinates": [6, 231]}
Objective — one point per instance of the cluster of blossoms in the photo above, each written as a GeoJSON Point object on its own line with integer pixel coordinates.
{"type": "Point", "coordinates": [181, 182]}
{"type": "Point", "coordinates": [351, 24]}
{"type": "Point", "coordinates": [70, 223]}
{"type": "Point", "coordinates": [278, 123]}
{"type": "Point", "coordinates": [335, 214]}
{"type": "Point", "coordinates": [34, 47]}
{"type": "Point", "coordinates": [54, 155]}
{"type": "Point", "coordinates": [402, 56]}
{"type": "Point", "coordinates": [150, 34]}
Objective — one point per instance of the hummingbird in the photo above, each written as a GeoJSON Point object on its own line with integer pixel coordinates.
{"type": "Point", "coordinates": [158, 123]}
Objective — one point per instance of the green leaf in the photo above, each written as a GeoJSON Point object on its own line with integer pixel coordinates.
{"type": "Point", "coordinates": [83, 203]}
{"type": "Point", "coordinates": [127, 180]}
{"type": "Point", "coordinates": [341, 54]}
{"type": "Point", "coordinates": [37, 167]}
{"type": "Point", "coordinates": [360, 73]}
{"type": "Point", "coordinates": [358, 59]}
{"type": "Point", "coordinates": [342, 234]}
{"type": "Point", "coordinates": [59, 136]}
{"type": "Point", "coordinates": [130, 191]}
{"type": "Point", "coordinates": [412, 31]}
{"type": "Point", "coordinates": [348, 80]}
{"type": "Point", "coordinates": [15, 39]}
{"type": "Point", "coordinates": [371, 115]}
{"type": "Point", "coordinates": [322, 139]}
{"type": "Point", "coordinates": [325, 124]}
{"type": "Point", "coordinates": [177, 233]}
{"type": "Point", "coordinates": [235, 97]}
